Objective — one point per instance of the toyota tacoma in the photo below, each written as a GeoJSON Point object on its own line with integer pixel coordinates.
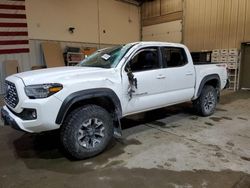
{"type": "Point", "coordinates": [86, 102]}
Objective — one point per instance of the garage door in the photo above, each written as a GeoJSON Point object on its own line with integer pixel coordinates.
{"type": "Point", "coordinates": [166, 32]}
{"type": "Point", "coordinates": [245, 67]}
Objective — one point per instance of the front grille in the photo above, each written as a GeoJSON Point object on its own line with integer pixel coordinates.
{"type": "Point", "coordinates": [10, 96]}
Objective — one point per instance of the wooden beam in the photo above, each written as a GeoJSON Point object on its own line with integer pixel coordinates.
{"type": "Point", "coordinates": [162, 19]}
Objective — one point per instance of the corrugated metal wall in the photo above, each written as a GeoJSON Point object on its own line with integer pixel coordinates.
{"type": "Point", "coordinates": [211, 24]}
{"type": "Point", "coordinates": [161, 11]}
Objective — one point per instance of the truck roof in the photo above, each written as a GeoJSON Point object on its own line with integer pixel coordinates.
{"type": "Point", "coordinates": [156, 43]}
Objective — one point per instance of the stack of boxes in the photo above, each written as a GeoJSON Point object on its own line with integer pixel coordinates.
{"type": "Point", "coordinates": [231, 58]}
{"type": "Point", "coordinates": [216, 57]}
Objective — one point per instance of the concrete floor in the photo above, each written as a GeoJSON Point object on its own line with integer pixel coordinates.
{"type": "Point", "coordinates": [169, 147]}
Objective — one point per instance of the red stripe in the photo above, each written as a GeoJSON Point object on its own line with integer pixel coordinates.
{"type": "Point", "coordinates": [13, 33]}
{"type": "Point", "coordinates": [12, 7]}
{"type": "Point", "coordinates": [10, 42]}
{"type": "Point", "coordinates": [17, 16]}
{"type": "Point", "coordinates": [15, 51]}
{"type": "Point", "coordinates": [13, 24]}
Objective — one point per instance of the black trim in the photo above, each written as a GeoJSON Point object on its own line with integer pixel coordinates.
{"type": "Point", "coordinates": [8, 120]}
{"type": "Point", "coordinates": [26, 114]}
{"type": "Point", "coordinates": [183, 51]}
{"type": "Point", "coordinates": [157, 48]}
{"type": "Point", "coordinates": [88, 94]}
{"type": "Point", "coordinates": [227, 84]}
{"type": "Point", "coordinates": [206, 79]}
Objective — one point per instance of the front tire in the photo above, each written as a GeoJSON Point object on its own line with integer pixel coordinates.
{"type": "Point", "coordinates": [207, 101]}
{"type": "Point", "coordinates": [86, 131]}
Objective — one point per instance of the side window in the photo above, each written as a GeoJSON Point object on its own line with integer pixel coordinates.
{"type": "Point", "coordinates": [145, 59]}
{"type": "Point", "coordinates": [174, 57]}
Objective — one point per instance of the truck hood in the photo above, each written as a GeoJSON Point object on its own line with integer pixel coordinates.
{"type": "Point", "coordinates": [60, 74]}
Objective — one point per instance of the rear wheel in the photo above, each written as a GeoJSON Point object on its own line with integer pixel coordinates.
{"type": "Point", "coordinates": [207, 101]}
{"type": "Point", "coordinates": [86, 131]}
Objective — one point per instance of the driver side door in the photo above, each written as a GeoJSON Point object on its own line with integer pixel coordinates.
{"type": "Point", "coordinates": [146, 67]}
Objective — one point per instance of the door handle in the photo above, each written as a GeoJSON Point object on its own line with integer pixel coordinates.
{"type": "Point", "coordinates": [161, 77]}
{"type": "Point", "coordinates": [189, 73]}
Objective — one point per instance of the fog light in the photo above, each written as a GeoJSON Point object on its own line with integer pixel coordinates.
{"type": "Point", "coordinates": [34, 114]}
{"type": "Point", "coordinates": [28, 114]}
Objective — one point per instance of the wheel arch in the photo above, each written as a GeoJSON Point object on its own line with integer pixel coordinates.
{"type": "Point", "coordinates": [212, 79]}
{"type": "Point", "coordinates": [103, 97]}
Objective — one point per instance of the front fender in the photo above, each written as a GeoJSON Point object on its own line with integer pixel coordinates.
{"type": "Point", "coordinates": [88, 94]}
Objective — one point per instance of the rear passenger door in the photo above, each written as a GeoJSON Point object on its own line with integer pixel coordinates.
{"type": "Point", "coordinates": [179, 73]}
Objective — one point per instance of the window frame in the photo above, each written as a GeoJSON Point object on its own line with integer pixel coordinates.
{"type": "Point", "coordinates": [164, 64]}
{"type": "Point", "coordinates": [159, 56]}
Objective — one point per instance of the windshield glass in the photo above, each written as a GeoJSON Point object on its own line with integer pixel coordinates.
{"type": "Point", "coordinates": [106, 58]}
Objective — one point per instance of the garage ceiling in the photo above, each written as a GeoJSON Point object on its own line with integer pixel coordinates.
{"type": "Point", "coordinates": [135, 2]}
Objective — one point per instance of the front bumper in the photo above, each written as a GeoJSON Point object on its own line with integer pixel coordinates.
{"type": "Point", "coordinates": [8, 120]}
{"type": "Point", "coordinates": [46, 109]}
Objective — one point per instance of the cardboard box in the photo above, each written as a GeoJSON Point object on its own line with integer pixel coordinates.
{"type": "Point", "coordinates": [53, 54]}
{"type": "Point", "coordinates": [223, 59]}
{"type": "Point", "coordinates": [232, 59]}
{"type": "Point", "coordinates": [233, 52]}
{"type": "Point", "coordinates": [224, 52]}
{"type": "Point", "coordinates": [232, 65]}
{"type": "Point", "coordinates": [215, 59]}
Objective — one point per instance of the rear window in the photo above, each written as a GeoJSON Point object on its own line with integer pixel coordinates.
{"type": "Point", "coordinates": [174, 57]}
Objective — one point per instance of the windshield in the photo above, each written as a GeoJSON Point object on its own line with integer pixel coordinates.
{"type": "Point", "coordinates": [106, 58]}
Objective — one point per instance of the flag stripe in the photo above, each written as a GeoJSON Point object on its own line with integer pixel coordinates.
{"type": "Point", "coordinates": [13, 27]}
{"type": "Point", "coordinates": [12, 7]}
{"type": "Point", "coordinates": [12, 20]}
{"type": "Point", "coordinates": [9, 42]}
{"type": "Point", "coordinates": [13, 38]}
{"type": "Point", "coordinates": [13, 33]}
{"type": "Point", "coordinates": [17, 16]}
{"type": "Point", "coordinates": [16, 46]}
{"type": "Point", "coordinates": [8, 11]}
{"type": "Point", "coordinates": [14, 51]}
{"type": "Point", "coordinates": [8, 2]}
{"type": "Point", "coordinates": [6, 24]}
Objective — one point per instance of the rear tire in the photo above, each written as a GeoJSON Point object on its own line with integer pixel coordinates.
{"type": "Point", "coordinates": [207, 101]}
{"type": "Point", "coordinates": [86, 131]}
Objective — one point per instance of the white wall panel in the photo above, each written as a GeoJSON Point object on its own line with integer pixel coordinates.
{"type": "Point", "coordinates": [168, 32]}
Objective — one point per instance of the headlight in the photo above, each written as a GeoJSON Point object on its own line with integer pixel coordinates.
{"type": "Point", "coordinates": [42, 90]}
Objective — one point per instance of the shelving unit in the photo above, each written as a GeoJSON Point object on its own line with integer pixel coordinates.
{"type": "Point", "coordinates": [73, 58]}
{"type": "Point", "coordinates": [233, 78]}
{"type": "Point", "coordinates": [231, 58]}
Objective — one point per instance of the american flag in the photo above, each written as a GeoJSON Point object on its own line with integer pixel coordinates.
{"type": "Point", "coordinates": [13, 27]}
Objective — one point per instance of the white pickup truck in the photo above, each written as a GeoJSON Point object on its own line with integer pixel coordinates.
{"type": "Point", "coordinates": [87, 101]}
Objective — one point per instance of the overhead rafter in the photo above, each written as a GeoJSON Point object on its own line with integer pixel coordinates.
{"type": "Point", "coordinates": [135, 2]}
